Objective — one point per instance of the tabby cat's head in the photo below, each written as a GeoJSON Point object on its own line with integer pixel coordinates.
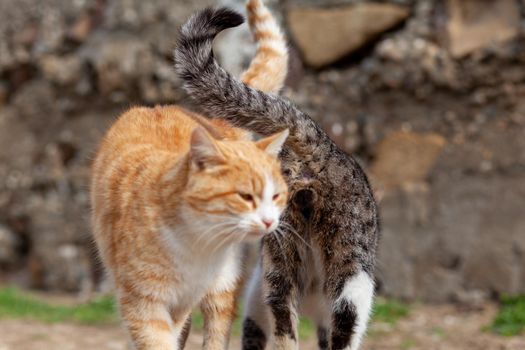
{"type": "Point", "coordinates": [236, 186]}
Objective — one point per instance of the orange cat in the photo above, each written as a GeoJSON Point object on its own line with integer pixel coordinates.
{"type": "Point", "coordinates": [269, 67]}
{"type": "Point", "coordinates": [170, 205]}
{"type": "Point", "coordinates": [174, 193]}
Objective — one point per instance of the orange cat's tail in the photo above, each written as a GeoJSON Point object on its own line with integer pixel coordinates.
{"type": "Point", "coordinates": [269, 67]}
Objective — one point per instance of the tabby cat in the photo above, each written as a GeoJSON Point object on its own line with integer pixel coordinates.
{"type": "Point", "coordinates": [173, 195]}
{"type": "Point", "coordinates": [322, 262]}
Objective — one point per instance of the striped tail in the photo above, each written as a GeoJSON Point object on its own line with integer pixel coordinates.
{"type": "Point", "coordinates": [194, 49]}
{"type": "Point", "coordinates": [221, 96]}
{"type": "Point", "coordinates": [269, 67]}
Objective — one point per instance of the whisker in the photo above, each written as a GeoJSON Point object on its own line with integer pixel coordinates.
{"type": "Point", "coordinates": [219, 227]}
{"type": "Point", "coordinates": [292, 230]}
{"type": "Point", "coordinates": [212, 239]}
{"type": "Point", "coordinates": [227, 236]}
{"type": "Point", "coordinates": [277, 238]}
{"type": "Point", "coordinates": [202, 235]}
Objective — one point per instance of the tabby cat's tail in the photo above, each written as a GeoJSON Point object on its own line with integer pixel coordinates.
{"type": "Point", "coordinates": [269, 67]}
{"type": "Point", "coordinates": [222, 96]}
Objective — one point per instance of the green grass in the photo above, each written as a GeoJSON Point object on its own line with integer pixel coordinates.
{"type": "Point", "coordinates": [408, 344]}
{"type": "Point", "coordinates": [15, 304]}
{"type": "Point", "coordinates": [306, 327]}
{"type": "Point", "coordinates": [389, 310]}
{"type": "Point", "coordinates": [510, 319]}
{"type": "Point", "coordinates": [385, 310]}
{"type": "Point", "coordinates": [438, 332]}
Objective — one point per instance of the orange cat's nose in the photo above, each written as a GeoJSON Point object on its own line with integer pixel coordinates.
{"type": "Point", "coordinates": [267, 223]}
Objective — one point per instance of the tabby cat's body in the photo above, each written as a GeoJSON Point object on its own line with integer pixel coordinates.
{"type": "Point", "coordinates": [325, 259]}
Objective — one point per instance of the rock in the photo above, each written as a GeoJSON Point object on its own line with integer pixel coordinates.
{"type": "Point", "coordinates": [59, 259]}
{"type": "Point", "coordinates": [81, 29]}
{"type": "Point", "coordinates": [3, 94]}
{"type": "Point", "coordinates": [138, 14]}
{"type": "Point", "coordinates": [64, 70]}
{"type": "Point", "coordinates": [68, 267]}
{"type": "Point", "coordinates": [405, 157]}
{"type": "Point", "coordinates": [424, 55]}
{"type": "Point", "coordinates": [8, 247]}
{"type": "Point", "coordinates": [326, 35]}
{"type": "Point", "coordinates": [19, 75]}
{"type": "Point", "coordinates": [15, 161]}
{"type": "Point", "coordinates": [329, 3]}
{"type": "Point", "coordinates": [27, 36]}
{"type": "Point", "coordinates": [119, 62]}
{"type": "Point", "coordinates": [454, 253]}
{"type": "Point", "coordinates": [36, 103]}
{"type": "Point", "coordinates": [475, 24]}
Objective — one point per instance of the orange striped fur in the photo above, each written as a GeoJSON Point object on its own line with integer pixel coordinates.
{"type": "Point", "coordinates": [171, 205]}
{"type": "Point", "coordinates": [149, 184]}
{"type": "Point", "coordinates": [269, 67]}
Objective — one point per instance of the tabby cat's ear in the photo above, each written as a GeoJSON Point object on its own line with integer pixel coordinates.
{"type": "Point", "coordinates": [273, 143]}
{"type": "Point", "coordinates": [203, 149]}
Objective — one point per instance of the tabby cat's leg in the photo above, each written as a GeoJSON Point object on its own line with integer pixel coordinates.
{"type": "Point", "coordinates": [149, 323]}
{"type": "Point", "coordinates": [256, 327]}
{"type": "Point", "coordinates": [322, 338]}
{"type": "Point", "coordinates": [281, 299]}
{"type": "Point", "coordinates": [351, 310]}
{"type": "Point", "coordinates": [219, 310]}
{"type": "Point", "coordinates": [280, 265]}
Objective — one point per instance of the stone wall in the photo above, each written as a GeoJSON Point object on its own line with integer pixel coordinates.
{"type": "Point", "coordinates": [426, 94]}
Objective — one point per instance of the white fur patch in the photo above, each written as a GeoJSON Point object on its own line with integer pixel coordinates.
{"type": "Point", "coordinates": [267, 209]}
{"type": "Point", "coordinates": [359, 290]}
{"type": "Point", "coordinates": [200, 270]}
{"type": "Point", "coordinates": [255, 307]}
{"type": "Point", "coordinates": [230, 271]}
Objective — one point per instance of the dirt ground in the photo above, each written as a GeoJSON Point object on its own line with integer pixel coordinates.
{"type": "Point", "coordinates": [427, 327]}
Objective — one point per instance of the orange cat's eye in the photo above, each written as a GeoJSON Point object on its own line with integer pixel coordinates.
{"type": "Point", "coordinates": [276, 196]}
{"type": "Point", "coordinates": [246, 196]}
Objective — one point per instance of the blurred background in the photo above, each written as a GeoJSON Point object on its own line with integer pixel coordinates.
{"type": "Point", "coordinates": [428, 95]}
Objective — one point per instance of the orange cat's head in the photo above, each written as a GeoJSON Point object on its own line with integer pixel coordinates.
{"type": "Point", "coordinates": [235, 186]}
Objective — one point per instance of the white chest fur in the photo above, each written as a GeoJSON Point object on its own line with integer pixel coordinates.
{"type": "Point", "coordinates": [201, 269]}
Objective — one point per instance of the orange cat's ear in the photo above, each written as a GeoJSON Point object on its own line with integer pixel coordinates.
{"type": "Point", "coordinates": [273, 144]}
{"type": "Point", "coordinates": [203, 149]}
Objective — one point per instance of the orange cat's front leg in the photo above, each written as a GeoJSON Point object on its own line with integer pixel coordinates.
{"type": "Point", "coordinates": [219, 311]}
{"type": "Point", "coordinates": [149, 323]}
